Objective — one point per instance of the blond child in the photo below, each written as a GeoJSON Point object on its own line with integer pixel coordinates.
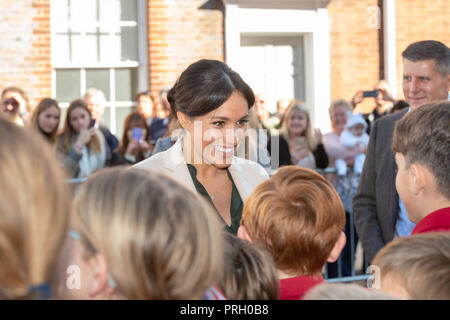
{"type": "Point", "coordinates": [416, 267]}
{"type": "Point", "coordinates": [144, 236]}
{"type": "Point", "coordinates": [34, 211]}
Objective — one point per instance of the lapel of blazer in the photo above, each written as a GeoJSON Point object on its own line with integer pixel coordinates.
{"type": "Point", "coordinates": [243, 186]}
{"type": "Point", "coordinates": [176, 164]}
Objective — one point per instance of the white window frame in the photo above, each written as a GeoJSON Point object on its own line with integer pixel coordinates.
{"type": "Point", "coordinates": [141, 65]}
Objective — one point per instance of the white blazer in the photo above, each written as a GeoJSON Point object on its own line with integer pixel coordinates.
{"type": "Point", "coordinates": [246, 174]}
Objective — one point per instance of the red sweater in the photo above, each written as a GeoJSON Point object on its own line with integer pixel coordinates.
{"type": "Point", "coordinates": [436, 221]}
{"type": "Point", "coordinates": [295, 288]}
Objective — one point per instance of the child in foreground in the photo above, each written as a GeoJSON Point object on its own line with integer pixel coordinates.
{"type": "Point", "coordinates": [298, 217]}
{"type": "Point", "coordinates": [144, 236]}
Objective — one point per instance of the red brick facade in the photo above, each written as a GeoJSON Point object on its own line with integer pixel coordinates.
{"type": "Point", "coordinates": [180, 32]}
{"type": "Point", "coordinates": [25, 52]}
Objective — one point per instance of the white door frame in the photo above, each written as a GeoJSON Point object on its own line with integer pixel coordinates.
{"type": "Point", "coordinates": [313, 25]}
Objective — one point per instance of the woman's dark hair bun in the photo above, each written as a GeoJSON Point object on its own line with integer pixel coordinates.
{"type": "Point", "coordinates": [204, 86]}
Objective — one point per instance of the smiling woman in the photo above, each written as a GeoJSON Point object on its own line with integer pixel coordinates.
{"type": "Point", "coordinates": [211, 102]}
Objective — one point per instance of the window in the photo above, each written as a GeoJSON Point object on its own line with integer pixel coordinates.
{"type": "Point", "coordinates": [100, 44]}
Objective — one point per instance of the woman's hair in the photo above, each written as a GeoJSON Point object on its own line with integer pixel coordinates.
{"type": "Point", "coordinates": [339, 103]}
{"type": "Point", "coordinates": [43, 105]}
{"type": "Point", "coordinates": [204, 86]}
{"type": "Point", "coordinates": [146, 94]}
{"type": "Point", "coordinates": [34, 212]}
{"type": "Point", "coordinates": [249, 271]}
{"type": "Point", "coordinates": [297, 216]}
{"type": "Point", "coordinates": [159, 239]}
{"type": "Point", "coordinates": [134, 119]}
{"type": "Point", "coordinates": [21, 93]}
{"type": "Point", "coordinates": [308, 133]}
{"type": "Point", "coordinates": [65, 139]}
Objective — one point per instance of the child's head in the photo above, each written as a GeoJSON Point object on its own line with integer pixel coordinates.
{"type": "Point", "coordinates": [298, 217]}
{"type": "Point", "coordinates": [422, 145]}
{"type": "Point", "coordinates": [34, 211]}
{"type": "Point", "coordinates": [151, 236]}
{"type": "Point", "coordinates": [416, 267]}
{"type": "Point", "coordinates": [343, 291]}
{"type": "Point", "coordinates": [356, 124]}
{"type": "Point", "coordinates": [250, 273]}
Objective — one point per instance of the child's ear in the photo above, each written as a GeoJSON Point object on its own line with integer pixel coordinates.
{"type": "Point", "coordinates": [99, 284]}
{"type": "Point", "coordinates": [338, 246]}
{"type": "Point", "coordinates": [243, 234]}
{"type": "Point", "coordinates": [418, 178]}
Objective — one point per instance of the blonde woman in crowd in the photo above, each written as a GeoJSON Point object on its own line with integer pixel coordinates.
{"type": "Point", "coordinates": [305, 144]}
{"type": "Point", "coordinates": [45, 119]}
{"type": "Point", "coordinates": [34, 210]}
{"type": "Point", "coordinates": [81, 145]}
{"type": "Point", "coordinates": [141, 235]}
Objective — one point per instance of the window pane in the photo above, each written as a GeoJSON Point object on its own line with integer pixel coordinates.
{"type": "Point", "coordinates": [83, 10]}
{"type": "Point", "coordinates": [109, 10]}
{"type": "Point", "coordinates": [129, 43]}
{"type": "Point", "coordinates": [84, 49]}
{"type": "Point", "coordinates": [60, 14]}
{"type": "Point", "coordinates": [67, 85]}
{"type": "Point", "coordinates": [99, 79]}
{"type": "Point", "coordinates": [107, 52]}
{"type": "Point", "coordinates": [126, 84]}
{"type": "Point", "coordinates": [129, 10]}
{"type": "Point", "coordinates": [121, 114]}
{"type": "Point", "coordinates": [61, 48]}
{"type": "Point", "coordinates": [106, 118]}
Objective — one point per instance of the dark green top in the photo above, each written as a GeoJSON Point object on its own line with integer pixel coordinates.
{"type": "Point", "coordinates": [236, 205]}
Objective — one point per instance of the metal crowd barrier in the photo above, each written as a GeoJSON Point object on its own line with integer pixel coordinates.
{"type": "Point", "coordinates": [340, 278]}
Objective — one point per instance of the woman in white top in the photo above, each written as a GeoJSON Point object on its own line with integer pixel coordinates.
{"type": "Point", "coordinates": [211, 102]}
{"type": "Point", "coordinates": [81, 144]}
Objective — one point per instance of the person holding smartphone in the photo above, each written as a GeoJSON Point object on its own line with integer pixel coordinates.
{"type": "Point", "coordinates": [384, 101]}
{"type": "Point", "coordinates": [15, 106]}
{"type": "Point", "coordinates": [135, 144]}
{"type": "Point", "coordinates": [82, 146]}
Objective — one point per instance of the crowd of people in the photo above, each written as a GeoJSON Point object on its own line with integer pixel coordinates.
{"type": "Point", "coordinates": [188, 205]}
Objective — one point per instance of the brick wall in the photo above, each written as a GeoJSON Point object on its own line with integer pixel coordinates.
{"type": "Point", "coordinates": [354, 47]}
{"type": "Point", "coordinates": [25, 47]}
{"type": "Point", "coordinates": [419, 20]}
{"type": "Point", "coordinates": [180, 33]}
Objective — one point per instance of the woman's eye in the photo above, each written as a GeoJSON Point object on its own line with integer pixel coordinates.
{"type": "Point", "coordinates": [218, 123]}
{"type": "Point", "coordinates": [242, 122]}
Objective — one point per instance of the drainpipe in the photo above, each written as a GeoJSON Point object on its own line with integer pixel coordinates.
{"type": "Point", "coordinates": [390, 66]}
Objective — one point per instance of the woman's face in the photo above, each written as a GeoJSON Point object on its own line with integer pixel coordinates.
{"type": "Point", "coordinates": [339, 118]}
{"type": "Point", "coordinates": [215, 136]}
{"type": "Point", "coordinates": [79, 119]}
{"type": "Point", "coordinates": [48, 120]}
{"type": "Point", "coordinates": [145, 105]}
{"type": "Point", "coordinates": [297, 123]}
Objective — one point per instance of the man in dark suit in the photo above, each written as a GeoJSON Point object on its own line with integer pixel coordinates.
{"type": "Point", "coordinates": [379, 215]}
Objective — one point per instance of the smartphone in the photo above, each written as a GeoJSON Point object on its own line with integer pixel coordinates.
{"type": "Point", "coordinates": [92, 123]}
{"type": "Point", "coordinates": [370, 94]}
{"type": "Point", "coordinates": [137, 133]}
{"type": "Point", "coordinates": [10, 105]}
